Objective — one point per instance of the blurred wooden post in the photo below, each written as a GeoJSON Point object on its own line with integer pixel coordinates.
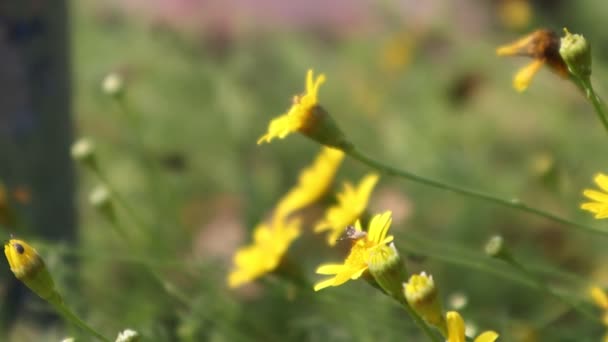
{"type": "Point", "coordinates": [35, 126]}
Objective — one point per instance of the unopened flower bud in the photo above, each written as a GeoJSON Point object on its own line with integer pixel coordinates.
{"type": "Point", "coordinates": [101, 199]}
{"type": "Point", "coordinates": [421, 293]}
{"type": "Point", "coordinates": [495, 247]}
{"type": "Point", "coordinates": [576, 52]}
{"type": "Point", "coordinates": [388, 269]}
{"type": "Point", "coordinates": [27, 265]}
{"type": "Point", "coordinates": [128, 335]}
{"type": "Point", "coordinates": [83, 151]}
{"type": "Point", "coordinates": [113, 84]}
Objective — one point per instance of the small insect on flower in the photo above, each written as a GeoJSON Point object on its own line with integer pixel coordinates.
{"type": "Point", "coordinates": [351, 233]}
{"type": "Point", "coordinates": [27, 265]}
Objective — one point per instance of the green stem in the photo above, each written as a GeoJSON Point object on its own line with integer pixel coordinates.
{"type": "Point", "coordinates": [419, 321]}
{"type": "Point", "coordinates": [421, 324]}
{"type": "Point", "coordinates": [512, 203]}
{"type": "Point", "coordinates": [117, 196]}
{"type": "Point", "coordinates": [591, 95]}
{"type": "Point", "coordinates": [58, 304]}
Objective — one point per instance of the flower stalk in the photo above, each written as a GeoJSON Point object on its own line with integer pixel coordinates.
{"type": "Point", "coordinates": [510, 203]}
{"type": "Point", "coordinates": [27, 266]}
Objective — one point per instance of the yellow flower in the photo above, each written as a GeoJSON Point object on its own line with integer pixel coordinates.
{"type": "Point", "coordinates": [313, 182]}
{"type": "Point", "coordinates": [27, 266]}
{"type": "Point", "coordinates": [456, 330]}
{"type": "Point", "coordinates": [358, 259]}
{"type": "Point", "coordinates": [263, 256]}
{"type": "Point", "coordinates": [541, 45]}
{"type": "Point", "coordinates": [600, 205]}
{"type": "Point", "coordinates": [299, 115]}
{"type": "Point", "coordinates": [352, 201]}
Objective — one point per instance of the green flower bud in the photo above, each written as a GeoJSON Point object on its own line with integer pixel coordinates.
{"type": "Point", "coordinates": [387, 268]}
{"type": "Point", "coordinates": [576, 52]}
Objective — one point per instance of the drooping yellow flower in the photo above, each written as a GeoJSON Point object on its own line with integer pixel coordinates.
{"type": "Point", "coordinates": [27, 266]}
{"type": "Point", "coordinates": [358, 259]}
{"type": "Point", "coordinates": [599, 206]}
{"type": "Point", "coordinates": [352, 201]}
{"type": "Point", "coordinates": [314, 181]}
{"type": "Point", "coordinates": [541, 45]}
{"type": "Point", "coordinates": [298, 116]}
{"type": "Point", "coordinates": [263, 256]}
{"type": "Point", "coordinates": [456, 329]}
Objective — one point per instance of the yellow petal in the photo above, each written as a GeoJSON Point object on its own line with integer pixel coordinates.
{"type": "Point", "coordinates": [329, 269]}
{"type": "Point", "coordinates": [524, 75]}
{"type": "Point", "coordinates": [379, 226]}
{"type": "Point", "coordinates": [599, 297]}
{"type": "Point", "coordinates": [487, 336]}
{"type": "Point", "coordinates": [367, 185]}
{"type": "Point", "coordinates": [594, 207]}
{"type": "Point", "coordinates": [323, 284]}
{"type": "Point", "coordinates": [596, 196]}
{"type": "Point", "coordinates": [602, 181]}
{"type": "Point", "coordinates": [602, 214]}
{"type": "Point", "coordinates": [516, 47]}
{"type": "Point", "coordinates": [455, 325]}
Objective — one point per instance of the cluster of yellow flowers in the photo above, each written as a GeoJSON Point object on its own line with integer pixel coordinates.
{"type": "Point", "coordinates": [372, 250]}
{"type": "Point", "coordinates": [271, 242]}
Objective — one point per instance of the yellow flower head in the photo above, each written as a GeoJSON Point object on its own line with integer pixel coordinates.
{"type": "Point", "coordinates": [313, 182]}
{"type": "Point", "coordinates": [421, 293]}
{"type": "Point", "coordinates": [263, 256]}
{"type": "Point", "coordinates": [27, 265]}
{"type": "Point", "coordinates": [352, 201]}
{"type": "Point", "coordinates": [456, 330]}
{"type": "Point", "coordinates": [600, 205]}
{"type": "Point", "coordinates": [358, 259]}
{"type": "Point", "coordinates": [541, 45]}
{"type": "Point", "coordinates": [299, 115]}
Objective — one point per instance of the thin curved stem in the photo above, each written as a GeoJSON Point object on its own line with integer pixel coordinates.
{"type": "Point", "coordinates": [420, 322]}
{"type": "Point", "coordinates": [597, 103]}
{"type": "Point", "coordinates": [70, 316]}
{"type": "Point", "coordinates": [510, 203]}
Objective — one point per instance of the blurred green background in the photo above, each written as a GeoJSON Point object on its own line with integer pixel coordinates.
{"type": "Point", "coordinates": [415, 84]}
